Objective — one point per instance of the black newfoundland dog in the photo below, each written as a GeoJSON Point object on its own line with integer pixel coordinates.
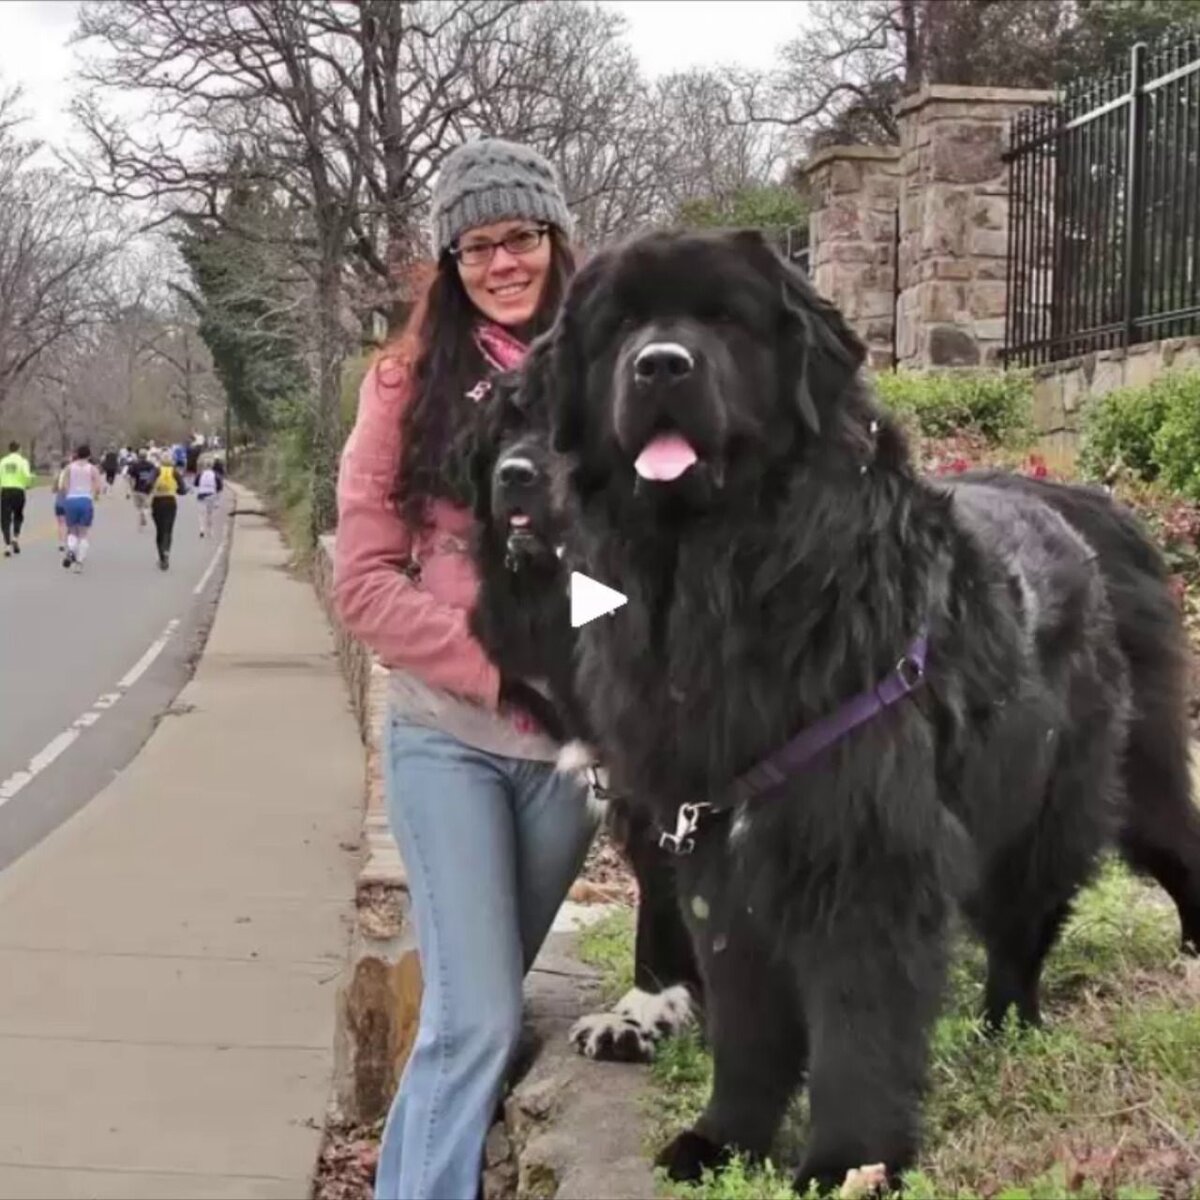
{"type": "Point", "coordinates": [851, 700]}
{"type": "Point", "coordinates": [522, 618]}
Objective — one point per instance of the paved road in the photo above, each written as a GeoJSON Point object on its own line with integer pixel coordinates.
{"type": "Point", "coordinates": [89, 662]}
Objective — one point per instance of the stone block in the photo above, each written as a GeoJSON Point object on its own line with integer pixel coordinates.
{"type": "Point", "coordinates": [845, 175]}
{"type": "Point", "coordinates": [1143, 365]}
{"type": "Point", "coordinates": [968, 152]}
{"type": "Point", "coordinates": [987, 299]}
{"type": "Point", "coordinates": [841, 221]}
{"type": "Point", "coordinates": [991, 268]}
{"type": "Point", "coordinates": [1109, 374]}
{"type": "Point", "coordinates": [988, 212]}
{"type": "Point", "coordinates": [989, 329]}
{"type": "Point", "coordinates": [940, 302]}
{"type": "Point", "coordinates": [951, 346]}
{"type": "Point", "coordinates": [987, 243]}
{"type": "Point", "coordinates": [1048, 412]}
{"type": "Point", "coordinates": [1073, 391]}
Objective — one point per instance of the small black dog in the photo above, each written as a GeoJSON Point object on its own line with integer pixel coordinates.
{"type": "Point", "coordinates": [522, 619]}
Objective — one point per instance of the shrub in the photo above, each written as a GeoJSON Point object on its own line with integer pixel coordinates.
{"type": "Point", "coordinates": [1119, 430]}
{"type": "Point", "coordinates": [997, 405]}
{"type": "Point", "coordinates": [1176, 444]}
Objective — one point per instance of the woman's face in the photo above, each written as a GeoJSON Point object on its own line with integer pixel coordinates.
{"type": "Point", "coordinates": [506, 286]}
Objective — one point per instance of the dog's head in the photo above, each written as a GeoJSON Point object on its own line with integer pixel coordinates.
{"type": "Point", "coordinates": [681, 364]}
{"type": "Point", "coordinates": [510, 469]}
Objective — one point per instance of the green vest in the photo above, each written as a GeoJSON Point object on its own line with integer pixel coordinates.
{"type": "Point", "coordinates": [15, 472]}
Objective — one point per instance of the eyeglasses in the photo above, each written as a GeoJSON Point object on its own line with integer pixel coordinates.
{"type": "Point", "coordinates": [517, 243]}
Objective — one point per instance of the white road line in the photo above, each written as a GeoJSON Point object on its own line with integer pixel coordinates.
{"type": "Point", "coordinates": [44, 757]}
{"type": "Point", "coordinates": [143, 664]}
{"type": "Point", "coordinates": [212, 566]}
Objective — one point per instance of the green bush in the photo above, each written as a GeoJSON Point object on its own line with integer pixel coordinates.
{"type": "Point", "coordinates": [996, 404]}
{"type": "Point", "coordinates": [1176, 449]}
{"type": "Point", "coordinates": [1119, 429]}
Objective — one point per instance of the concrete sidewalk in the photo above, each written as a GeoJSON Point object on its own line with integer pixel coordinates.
{"type": "Point", "coordinates": [169, 958]}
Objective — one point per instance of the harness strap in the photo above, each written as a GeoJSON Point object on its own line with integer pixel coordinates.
{"type": "Point", "coordinates": [791, 758]}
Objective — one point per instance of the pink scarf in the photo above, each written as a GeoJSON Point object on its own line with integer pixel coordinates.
{"type": "Point", "coordinates": [498, 346]}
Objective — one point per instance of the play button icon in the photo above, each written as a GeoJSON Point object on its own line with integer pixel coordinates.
{"type": "Point", "coordinates": [591, 599]}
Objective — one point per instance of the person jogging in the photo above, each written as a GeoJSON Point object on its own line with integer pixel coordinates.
{"type": "Point", "coordinates": [168, 484]}
{"type": "Point", "coordinates": [15, 478]}
{"type": "Point", "coordinates": [142, 474]}
{"type": "Point", "coordinates": [206, 495]}
{"type": "Point", "coordinates": [60, 504]}
{"type": "Point", "coordinates": [80, 483]}
{"type": "Point", "coordinates": [109, 465]}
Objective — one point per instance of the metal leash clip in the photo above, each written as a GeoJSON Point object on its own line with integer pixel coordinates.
{"type": "Point", "coordinates": [687, 821]}
{"type": "Point", "coordinates": [600, 790]}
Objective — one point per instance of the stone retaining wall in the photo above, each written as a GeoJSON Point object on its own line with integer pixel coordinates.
{"type": "Point", "coordinates": [378, 1008]}
{"type": "Point", "coordinates": [1062, 390]}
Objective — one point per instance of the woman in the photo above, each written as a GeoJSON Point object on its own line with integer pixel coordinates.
{"type": "Point", "coordinates": [206, 494]}
{"type": "Point", "coordinates": [491, 836]}
{"type": "Point", "coordinates": [168, 484]}
{"type": "Point", "coordinates": [80, 485]}
{"type": "Point", "coordinates": [60, 504]}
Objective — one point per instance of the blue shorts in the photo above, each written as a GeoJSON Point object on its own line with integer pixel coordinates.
{"type": "Point", "coordinates": [60, 506]}
{"type": "Point", "coordinates": [79, 511]}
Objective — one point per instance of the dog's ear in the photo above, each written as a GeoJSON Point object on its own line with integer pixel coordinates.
{"type": "Point", "coordinates": [829, 352]}
{"type": "Point", "coordinates": [832, 351]}
{"type": "Point", "coordinates": [555, 369]}
{"type": "Point", "coordinates": [479, 452]}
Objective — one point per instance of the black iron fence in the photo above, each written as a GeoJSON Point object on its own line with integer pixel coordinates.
{"type": "Point", "coordinates": [1104, 211]}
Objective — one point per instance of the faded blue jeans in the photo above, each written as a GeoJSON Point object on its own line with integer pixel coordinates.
{"type": "Point", "coordinates": [491, 845]}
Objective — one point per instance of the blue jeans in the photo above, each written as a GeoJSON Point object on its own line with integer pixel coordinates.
{"type": "Point", "coordinates": [491, 845]}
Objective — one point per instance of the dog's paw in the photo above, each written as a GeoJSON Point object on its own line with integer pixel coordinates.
{"type": "Point", "coordinates": [631, 1031]}
{"type": "Point", "coordinates": [609, 1037]}
{"type": "Point", "coordinates": [686, 1156]}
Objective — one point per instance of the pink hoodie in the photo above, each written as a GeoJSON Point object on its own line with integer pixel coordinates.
{"type": "Point", "coordinates": [419, 627]}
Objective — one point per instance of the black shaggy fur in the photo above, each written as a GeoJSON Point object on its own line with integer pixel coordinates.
{"type": "Point", "coordinates": [785, 572]}
{"type": "Point", "coordinates": [522, 618]}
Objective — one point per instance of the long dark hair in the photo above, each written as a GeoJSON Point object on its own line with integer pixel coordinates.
{"type": "Point", "coordinates": [438, 342]}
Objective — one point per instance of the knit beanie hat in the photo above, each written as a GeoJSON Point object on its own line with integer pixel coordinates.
{"type": "Point", "coordinates": [493, 180]}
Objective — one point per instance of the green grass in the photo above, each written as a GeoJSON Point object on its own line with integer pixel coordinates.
{"type": "Point", "coordinates": [608, 945]}
{"type": "Point", "coordinates": [1103, 1103]}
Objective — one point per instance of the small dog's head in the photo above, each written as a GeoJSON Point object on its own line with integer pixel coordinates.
{"type": "Point", "coordinates": [511, 473]}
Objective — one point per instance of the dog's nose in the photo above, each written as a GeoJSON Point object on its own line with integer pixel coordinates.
{"type": "Point", "coordinates": [516, 472]}
{"type": "Point", "coordinates": [663, 362]}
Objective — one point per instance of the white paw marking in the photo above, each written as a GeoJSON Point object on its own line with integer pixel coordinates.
{"type": "Point", "coordinates": [573, 757]}
{"type": "Point", "coordinates": [631, 1031]}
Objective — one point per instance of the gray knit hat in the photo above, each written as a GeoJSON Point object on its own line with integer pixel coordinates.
{"type": "Point", "coordinates": [494, 180]}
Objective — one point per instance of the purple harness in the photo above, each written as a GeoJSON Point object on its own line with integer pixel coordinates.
{"type": "Point", "coordinates": [791, 758]}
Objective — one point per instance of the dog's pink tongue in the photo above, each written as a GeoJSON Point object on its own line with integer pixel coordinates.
{"type": "Point", "coordinates": [666, 457]}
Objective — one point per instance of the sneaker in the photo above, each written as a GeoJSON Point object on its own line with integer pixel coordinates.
{"type": "Point", "coordinates": [77, 567]}
{"type": "Point", "coordinates": [16, 546]}
{"type": "Point", "coordinates": [202, 533]}
{"type": "Point", "coordinates": [7, 552]}
{"type": "Point", "coordinates": [163, 562]}
{"type": "Point", "coordinates": [68, 559]}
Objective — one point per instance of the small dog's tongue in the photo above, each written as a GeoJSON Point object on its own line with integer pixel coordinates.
{"type": "Point", "coordinates": [666, 457]}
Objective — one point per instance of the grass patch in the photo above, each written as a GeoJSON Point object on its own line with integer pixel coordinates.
{"type": "Point", "coordinates": [1101, 1104]}
{"type": "Point", "coordinates": [608, 946]}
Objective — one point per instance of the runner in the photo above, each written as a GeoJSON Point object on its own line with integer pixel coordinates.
{"type": "Point", "coordinates": [60, 504]}
{"type": "Point", "coordinates": [15, 478]}
{"type": "Point", "coordinates": [142, 474]}
{"type": "Point", "coordinates": [109, 465]}
{"type": "Point", "coordinates": [81, 483]}
{"type": "Point", "coordinates": [219, 472]}
{"type": "Point", "coordinates": [168, 484]}
{"type": "Point", "coordinates": [206, 494]}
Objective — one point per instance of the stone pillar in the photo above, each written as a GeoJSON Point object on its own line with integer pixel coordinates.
{"type": "Point", "coordinates": [954, 222]}
{"type": "Point", "coordinates": [852, 235]}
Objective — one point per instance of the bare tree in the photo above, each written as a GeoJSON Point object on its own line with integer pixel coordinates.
{"type": "Point", "coordinates": [54, 244]}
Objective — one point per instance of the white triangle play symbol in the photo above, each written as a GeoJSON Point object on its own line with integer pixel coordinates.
{"type": "Point", "coordinates": [591, 599]}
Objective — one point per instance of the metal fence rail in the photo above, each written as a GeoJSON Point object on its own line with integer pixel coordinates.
{"type": "Point", "coordinates": [1104, 211]}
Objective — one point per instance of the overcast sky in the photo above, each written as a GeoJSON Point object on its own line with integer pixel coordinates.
{"type": "Point", "coordinates": [667, 35]}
